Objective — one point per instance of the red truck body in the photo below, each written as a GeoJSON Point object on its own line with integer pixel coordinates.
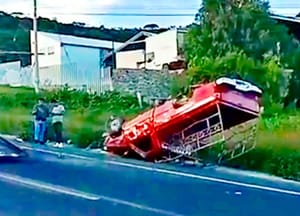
{"type": "Point", "coordinates": [147, 135]}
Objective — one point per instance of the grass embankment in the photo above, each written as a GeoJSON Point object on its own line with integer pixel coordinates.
{"type": "Point", "coordinates": [277, 151]}
{"type": "Point", "coordinates": [278, 147]}
{"type": "Point", "coordinates": [85, 117]}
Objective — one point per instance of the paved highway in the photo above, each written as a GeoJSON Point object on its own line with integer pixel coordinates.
{"type": "Point", "coordinates": [45, 184]}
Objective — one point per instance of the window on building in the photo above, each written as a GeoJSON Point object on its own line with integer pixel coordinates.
{"type": "Point", "coordinates": [150, 57]}
{"type": "Point", "coordinates": [42, 51]}
{"type": "Point", "coordinates": [50, 50]}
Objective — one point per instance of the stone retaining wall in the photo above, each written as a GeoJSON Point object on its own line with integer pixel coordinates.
{"type": "Point", "coordinates": [150, 83]}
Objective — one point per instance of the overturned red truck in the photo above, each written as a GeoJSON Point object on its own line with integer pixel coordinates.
{"type": "Point", "coordinates": [222, 113]}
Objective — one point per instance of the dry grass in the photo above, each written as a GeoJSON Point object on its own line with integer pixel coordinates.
{"type": "Point", "coordinates": [279, 139]}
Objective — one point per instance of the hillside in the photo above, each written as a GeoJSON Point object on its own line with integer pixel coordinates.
{"type": "Point", "coordinates": [14, 34]}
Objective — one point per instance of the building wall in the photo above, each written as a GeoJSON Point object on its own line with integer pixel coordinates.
{"type": "Point", "coordinates": [75, 65]}
{"type": "Point", "coordinates": [50, 48]}
{"type": "Point", "coordinates": [81, 66]}
{"type": "Point", "coordinates": [49, 59]}
{"type": "Point", "coordinates": [129, 59]}
{"type": "Point", "coordinates": [164, 48]}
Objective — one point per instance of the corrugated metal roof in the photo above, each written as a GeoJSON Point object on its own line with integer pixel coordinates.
{"type": "Point", "coordinates": [284, 18]}
{"type": "Point", "coordinates": [132, 40]}
{"type": "Point", "coordinates": [81, 41]}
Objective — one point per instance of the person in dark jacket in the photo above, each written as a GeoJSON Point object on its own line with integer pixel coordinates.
{"type": "Point", "coordinates": [40, 112]}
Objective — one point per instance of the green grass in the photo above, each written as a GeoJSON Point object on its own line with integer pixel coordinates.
{"type": "Point", "coordinates": [278, 147]}
{"type": "Point", "coordinates": [277, 151]}
{"type": "Point", "coordinates": [85, 118]}
{"type": "Point", "coordinates": [81, 128]}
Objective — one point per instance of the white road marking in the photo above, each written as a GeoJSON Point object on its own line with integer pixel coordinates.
{"type": "Point", "coordinates": [58, 153]}
{"type": "Point", "coordinates": [206, 178]}
{"type": "Point", "coordinates": [47, 187]}
{"type": "Point", "coordinates": [253, 174]}
{"type": "Point", "coordinates": [139, 206]}
{"type": "Point", "coordinates": [176, 173]}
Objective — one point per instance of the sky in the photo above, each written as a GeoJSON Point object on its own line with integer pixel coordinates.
{"type": "Point", "coordinates": [84, 11]}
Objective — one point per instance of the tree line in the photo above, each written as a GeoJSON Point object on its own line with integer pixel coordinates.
{"type": "Point", "coordinates": [238, 37]}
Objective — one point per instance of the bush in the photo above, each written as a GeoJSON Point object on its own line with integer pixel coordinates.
{"type": "Point", "coordinates": [85, 117]}
{"type": "Point", "coordinates": [179, 85]}
{"type": "Point", "coordinates": [73, 100]}
{"type": "Point", "coordinates": [284, 163]}
{"type": "Point", "coordinates": [266, 74]}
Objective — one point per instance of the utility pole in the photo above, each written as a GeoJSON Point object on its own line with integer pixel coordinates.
{"type": "Point", "coordinates": [113, 55]}
{"type": "Point", "coordinates": [36, 63]}
{"type": "Point", "coordinates": [113, 65]}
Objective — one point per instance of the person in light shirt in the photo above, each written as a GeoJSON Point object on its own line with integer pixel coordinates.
{"type": "Point", "coordinates": [57, 112]}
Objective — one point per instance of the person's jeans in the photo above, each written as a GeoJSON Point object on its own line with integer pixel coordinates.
{"type": "Point", "coordinates": [39, 131]}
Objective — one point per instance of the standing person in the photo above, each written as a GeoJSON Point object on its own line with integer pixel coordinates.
{"type": "Point", "coordinates": [49, 128]}
{"type": "Point", "coordinates": [57, 113]}
{"type": "Point", "coordinates": [40, 112]}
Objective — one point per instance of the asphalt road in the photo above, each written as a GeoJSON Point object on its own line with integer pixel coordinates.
{"type": "Point", "coordinates": [48, 185]}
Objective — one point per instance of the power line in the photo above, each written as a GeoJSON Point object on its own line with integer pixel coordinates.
{"type": "Point", "coordinates": [130, 14]}
{"type": "Point", "coordinates": [146, 13]}
{"type": "Point", "coordinates": [193, 7]}
{"type": "Point", "coordinates": [168, 9]}
{"type": "Point", "coordinates": [133, 8]}
{"type": "Point", "coordinates": [135, 14]}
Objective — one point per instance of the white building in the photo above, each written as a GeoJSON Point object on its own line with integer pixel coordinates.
{"type": "Point", "coordinates": [153, 51]}
{"type": "Point", "coordinates": [132, 53]}
{"type": "Point", "coordinates": [71, 60]}
{"type": "Point", "coordinates": [164, 49]}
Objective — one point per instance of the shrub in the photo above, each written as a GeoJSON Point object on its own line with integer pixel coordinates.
{"type": "Point", "coordinates": [74, 100]}
{"type": "Point", "coordinates": [284, 163]}
{"type": "Point", "coordinates": [85, 117]}
{"type": "Point", "coordinates": [266, 74]}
